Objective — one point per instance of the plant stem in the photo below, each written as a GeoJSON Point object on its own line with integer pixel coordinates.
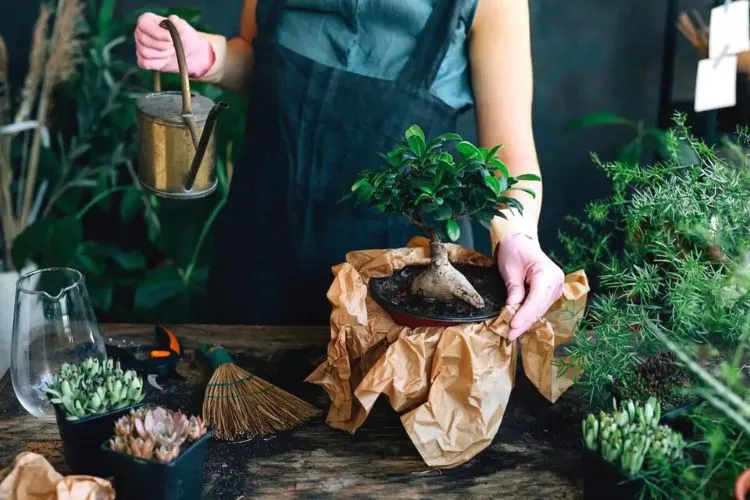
{"type": "Point", "coordinates": [201, 238]}
{"type": "Point", "coordinates": [96, 199]}
{"type": "Point", "coordinates": [8, 222]}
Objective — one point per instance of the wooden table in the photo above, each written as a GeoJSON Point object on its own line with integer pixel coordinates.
{"type": "Point", "coordinates": [535, 454]}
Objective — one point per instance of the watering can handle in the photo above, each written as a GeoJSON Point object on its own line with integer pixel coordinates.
{"type": "Point", "coordinates": [187, 105]}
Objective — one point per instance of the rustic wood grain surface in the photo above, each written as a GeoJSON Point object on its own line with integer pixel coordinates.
{"type": "Point", "coordinates": [535, 454]}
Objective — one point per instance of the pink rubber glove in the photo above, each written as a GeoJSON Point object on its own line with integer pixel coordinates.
{"type": "Point", "coordinates": [155, 50]}
{"type": "Point", "coordinates": [522, 262]}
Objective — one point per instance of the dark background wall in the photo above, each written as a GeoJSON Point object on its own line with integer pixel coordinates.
{"type": "Point", "coordinates": [589, 56]}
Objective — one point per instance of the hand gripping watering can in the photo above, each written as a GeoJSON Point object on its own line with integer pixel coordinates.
{"type": "Point", "coordinates": [177, 156]}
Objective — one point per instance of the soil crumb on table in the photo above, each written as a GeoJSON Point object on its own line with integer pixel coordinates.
{"type": "Point", "coordinates": [486, 280]}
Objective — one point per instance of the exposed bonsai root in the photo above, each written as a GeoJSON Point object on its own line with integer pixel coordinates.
{"type": "Point", "coordinates": [444, 282]}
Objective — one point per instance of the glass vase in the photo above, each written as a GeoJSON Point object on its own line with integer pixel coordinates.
{"type": "Point", "coordinates": [53, 324]}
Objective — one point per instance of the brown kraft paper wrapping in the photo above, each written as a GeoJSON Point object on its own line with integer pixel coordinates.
{"type": "Point", "coordinates": [31, 477]}
{"type": "Point", "coordinates": [452, 382]}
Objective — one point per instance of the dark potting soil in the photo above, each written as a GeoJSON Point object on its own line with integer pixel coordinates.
{"type": "Point", "coordinates": [660, 376]}
{"type": "Point", "coordinates": [486, 280]}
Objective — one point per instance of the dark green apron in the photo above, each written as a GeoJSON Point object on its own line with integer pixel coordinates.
{"type": "Point", "coordinates": [311, 128]}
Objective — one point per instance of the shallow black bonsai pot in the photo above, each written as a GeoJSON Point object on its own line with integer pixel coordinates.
{"type": "Point", "coordinates": [391, 293]}
{"type": "Point", "coordinates": [81, 440]}
{"type": "Point", "coordinates": [602, 480]}
{"type": "Point", "coordinates": [140, 479]}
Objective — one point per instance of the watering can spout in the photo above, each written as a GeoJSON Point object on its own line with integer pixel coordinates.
{"type": "Point", "coordinates": [200, 149]}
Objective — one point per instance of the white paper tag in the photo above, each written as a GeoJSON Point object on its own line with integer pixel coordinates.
{"type": "Point", "coordinates": [729, 31]}
{"type": "Point", "coordinates": [716, 84]}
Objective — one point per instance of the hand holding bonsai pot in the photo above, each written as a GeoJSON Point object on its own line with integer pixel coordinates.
{"type": "Point", "coordinates": [433, 189]}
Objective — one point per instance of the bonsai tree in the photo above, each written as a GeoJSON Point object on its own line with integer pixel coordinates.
{"type": "Point", "coordinates": [434, 189]}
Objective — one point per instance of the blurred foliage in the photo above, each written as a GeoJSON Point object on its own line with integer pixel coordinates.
{"type": "Point", "coordinates": [144, 258]}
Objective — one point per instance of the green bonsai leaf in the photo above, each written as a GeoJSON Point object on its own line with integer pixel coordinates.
{"type": "Point", "coordinates": [492, 182]}
{"type": "Point", "coordinates": [528, 177]}
{"type": "Point", "coordinates": [452, 229]}
{"type": "Point", "coordinates": [468, 149]}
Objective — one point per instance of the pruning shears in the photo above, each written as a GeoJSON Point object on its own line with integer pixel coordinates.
{"type": "Point", "coordinates": [151, 361]}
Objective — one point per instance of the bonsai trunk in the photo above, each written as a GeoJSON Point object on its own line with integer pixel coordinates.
{"type": "Point", "coordinates": [442, 281]}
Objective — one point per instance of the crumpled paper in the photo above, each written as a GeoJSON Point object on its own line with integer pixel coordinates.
{"type": "Point", "coordinates": [31, 477]}
{"type": "Point", "coordinates": [453, 383]}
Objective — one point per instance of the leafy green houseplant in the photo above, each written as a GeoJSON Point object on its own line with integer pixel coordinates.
{"type": "Point", "coordinates": [88, 398]}
{"type": "Point", "coordinates": [166, 446]}
{"type": "Point", "coordinates": [663, 246]}
{"type": "Point", "coordinates": [433, 189]}
{"type": "Point", "coordinates": [145, 259]}
{"type": "Point", "coordinates": [668, 249]}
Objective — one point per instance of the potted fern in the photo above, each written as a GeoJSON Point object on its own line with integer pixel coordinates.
{"type": "Point", "coordinates": [88, 397]}
{"type": "Point", "coordinates": [165, 446]}
{"type": "Point", "coordinates": [434, 188]}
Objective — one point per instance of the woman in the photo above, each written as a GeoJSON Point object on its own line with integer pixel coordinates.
{"type": "Point", "coordinates": [330, 83]}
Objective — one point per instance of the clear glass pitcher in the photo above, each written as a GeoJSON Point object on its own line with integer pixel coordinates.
{"type": "Point", "coordinates": [53, 323]}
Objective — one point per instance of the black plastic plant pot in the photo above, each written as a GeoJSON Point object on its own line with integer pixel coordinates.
{"type": "Point", "coordinates": [391, 294]}
{"type": "Point", "coordinates": [140, 479]}
{"type": "Point", "coordinates": [82, 439]}
{"type": "Point", "coordinates": [602, 480]}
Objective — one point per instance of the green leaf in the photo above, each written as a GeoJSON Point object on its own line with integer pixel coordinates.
{"type": "Point", "coordinates": [528, 177]}
{"type": "Point", "coordinates": [417, 145]}
{"type": "Point", "coordinates": [63, 238]}
{"type": "Point", "coordinates": [414, 131]}
{"type": "Point", "coordinates": [104, 19]}
{"type": "Point", "coordinates": [492, 183]}
{"type": "Point", "coordinates": [160, 285]}
{"type": "Point", "coordinates": [442, 212]}
{"type": "Point", "coordinates": [468, 149]}
{"type": "Point", "coordinates": [452, 229]}
{"type": "Point", "coordinates": [527, 191]}
{"type": "Point", "coordinates": [495, 163]}
{"type": "Point", "coordinates": [130, 205]}
{"type": "Point", "coordinates": [450, 136]}
{"type": "Point", "coordinates": [128, 261]}
{"type": "Point", "coordinates": [492, 152]}
{"type": "Point", "coordinates": [426, 189]}
{"type": "Point", "coordinates": [30, 243]}
{"type": "Point", "coordinates": [422, 197]}
{"type": "Point", "coordinates": [101, 290]}
{"type": "Point", "coordinates": [91, 258]}
{"type": "Point", "coordinates": [597, 119]}
{"type": "Point", "coordinates": [362, 182]}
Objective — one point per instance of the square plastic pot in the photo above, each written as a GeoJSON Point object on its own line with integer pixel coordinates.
{"type": "Point", "coordinates": [602, 480]}
{"type": "Point", "coordinates": [140, 479]}
{"type": "Point", "coordinates": [82, 439]}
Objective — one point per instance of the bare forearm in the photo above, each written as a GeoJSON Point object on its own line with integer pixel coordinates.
{"type": "Point", "coordinates": [502, 77]}
{"type": "Point", "coordinates": [233, 63]}
{"type": "Point", "coordinates": [233, 58]}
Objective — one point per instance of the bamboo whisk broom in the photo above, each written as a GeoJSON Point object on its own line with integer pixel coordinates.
{"type": "Point", "coordinates": [240, 404]}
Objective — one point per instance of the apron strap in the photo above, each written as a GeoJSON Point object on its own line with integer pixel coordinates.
{"type": "Point", "coordinates": [268, 18]}
{"type": "Point", "coordinates": [432, 44]}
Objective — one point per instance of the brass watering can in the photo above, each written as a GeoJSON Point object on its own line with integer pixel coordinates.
{"type": "Point", "coordinates": [177, 157]}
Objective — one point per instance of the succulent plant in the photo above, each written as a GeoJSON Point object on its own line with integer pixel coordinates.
{"type": "Point", "coordinates": [94, 387]}
{"type": "Point", "coordinates": [632, 438]}
{"type": "Point", "coordinates": [155, 433]}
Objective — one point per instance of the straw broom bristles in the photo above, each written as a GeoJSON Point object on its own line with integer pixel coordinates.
{"type": "Point", "coordinates": [240, 404]}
